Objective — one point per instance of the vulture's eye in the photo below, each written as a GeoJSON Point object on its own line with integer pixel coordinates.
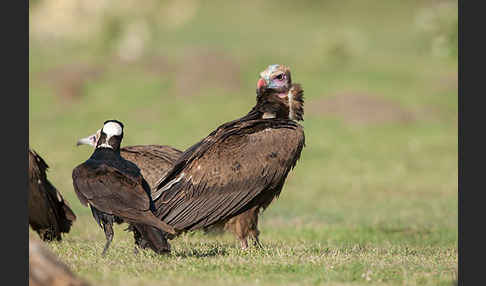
{"type": "Point", "coordinates": [280, 76]}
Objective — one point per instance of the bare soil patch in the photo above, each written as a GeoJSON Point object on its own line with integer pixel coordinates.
{"type": "Point", "coordinates": [449, 81]}
{"type": "Point", "coordinates": [361, 108]}
{"type": "Point", "coordinates": [205, 68]}
{"type": "Point", "coordinates": [69, 80]}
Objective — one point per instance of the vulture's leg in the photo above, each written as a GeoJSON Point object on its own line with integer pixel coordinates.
{"type": "Point", "coordinates": [42, 234]}
{"type": "Point", "coordinates": [256, 242]}
{"type": "Point", "coordinates": [137, 236]}
{"type": "Point", "coordinates": [48, 234]}
{"type": "Point", "coordinates": [109, 237]}
{"type": "Point", "coordinates": [254, 232]}
{"type": "Point", "coordinates": [244, 243]}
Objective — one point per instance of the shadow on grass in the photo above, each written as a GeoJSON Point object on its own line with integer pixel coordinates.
{"type": "Point", "coordinates": [403, 230]}
{"type": "Point", "coordinates": [215, 251]}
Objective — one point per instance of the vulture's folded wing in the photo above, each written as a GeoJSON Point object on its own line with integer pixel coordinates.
{"type": "Point", "coordinates": [108, 189]}
{"type": "Point", "coordinates": [219, 176]}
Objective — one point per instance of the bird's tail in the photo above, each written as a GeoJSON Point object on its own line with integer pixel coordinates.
{"type": "Point", "coordinates": [152, 220]}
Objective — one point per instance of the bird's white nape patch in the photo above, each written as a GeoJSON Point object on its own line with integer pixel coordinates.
{"type": "Point", "coordinates": [112, 129]}
{"type": "Point", "coordinates": [106, 145]}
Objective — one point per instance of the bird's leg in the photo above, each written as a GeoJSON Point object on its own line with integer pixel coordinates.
{"type": "Point", "coordinates": [137, 237]}
{"type": "Point", "coordinates": [244, 243]}
{"type": "Point", "coordinates": [109, 237]}
{"type": "Point", "coordinates": [254, 232]}
{"type": "Point", "coordinates": [256, 242]}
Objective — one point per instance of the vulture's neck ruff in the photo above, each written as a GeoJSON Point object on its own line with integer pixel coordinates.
{"type": "Point", "coordinates": [296, 102]}
{"type": "Point", "coordinates": [273, 104]}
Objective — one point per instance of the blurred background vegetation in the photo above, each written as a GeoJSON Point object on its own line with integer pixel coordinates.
{"type": "Point", "coordinates": [380, 81]}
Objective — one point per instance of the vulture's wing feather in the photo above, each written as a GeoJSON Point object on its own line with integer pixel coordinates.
{"type": "Point", "coordinates": [109, 190]}
{"type": "Point", "coordinates": [219, 176]}
{"type": "Point", "coordinates": [153, 160]}
{"type": "Point", "coordinates": [161, 152]}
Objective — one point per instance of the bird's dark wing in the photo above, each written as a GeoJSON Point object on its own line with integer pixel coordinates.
{"type": "Point", "coordinates": [65, 212]}
{"type": "Point", "coordinates": [153, 160]}
{"type": "Point", "coordinates": [162, 152]}
{"type": "Point", "coordinates": [217, 177]}
{"type": "Point", "coordinates": [47, 207]}
{"type": "Point", "coordinates": [110, 190]}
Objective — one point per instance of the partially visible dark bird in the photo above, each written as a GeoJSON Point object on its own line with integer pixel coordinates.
{"type": "Point", "coordinates": [49, 214]}
{"type": "Point", "coordinates": [241, 165]}
{"type": "Point", "coordinates": [115, 189]}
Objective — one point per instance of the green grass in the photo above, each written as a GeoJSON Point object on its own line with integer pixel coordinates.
{"type": "Point", "coordinates": [373, 203]}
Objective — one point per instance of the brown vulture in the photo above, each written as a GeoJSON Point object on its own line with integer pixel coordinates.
{"type": "Point", "coordinates": [154, 161]}
{"type": "Point", "coordinates": [242, 165]}
{"type": "Point", "coordinates": [49, 214]}
{"type": "Point", "coordinates": [116, 191]}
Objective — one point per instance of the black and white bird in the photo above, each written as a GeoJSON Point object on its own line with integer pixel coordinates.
{"type": "Point", "coordinates": [116, 191]}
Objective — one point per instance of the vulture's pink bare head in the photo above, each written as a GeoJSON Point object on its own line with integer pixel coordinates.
{"type": "Point", "coordinates": [275, 89]}
{"type": "Point", "coordinates": [275, 77]}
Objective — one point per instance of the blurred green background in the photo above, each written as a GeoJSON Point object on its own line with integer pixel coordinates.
{"type": "Point", "coordinates": [380, 79]}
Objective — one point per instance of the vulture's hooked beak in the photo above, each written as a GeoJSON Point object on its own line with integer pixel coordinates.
{"type": "Point", "coordinates": [261, 82]}
{"type": "Point", "coordinates": [90, 140]}
{"type": "Point", "coordinates": [264, 79]}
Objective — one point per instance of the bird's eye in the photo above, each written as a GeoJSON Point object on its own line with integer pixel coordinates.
{"type": "Point", "coordinates": [280, 76]}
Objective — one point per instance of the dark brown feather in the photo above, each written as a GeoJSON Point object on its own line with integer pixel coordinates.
{"type": "Point", "coordinates": [49, 214]}
{"type": "Point", "coordinates": [153, 160]}
{"type": "Point", "coordinates": [241, 164]}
